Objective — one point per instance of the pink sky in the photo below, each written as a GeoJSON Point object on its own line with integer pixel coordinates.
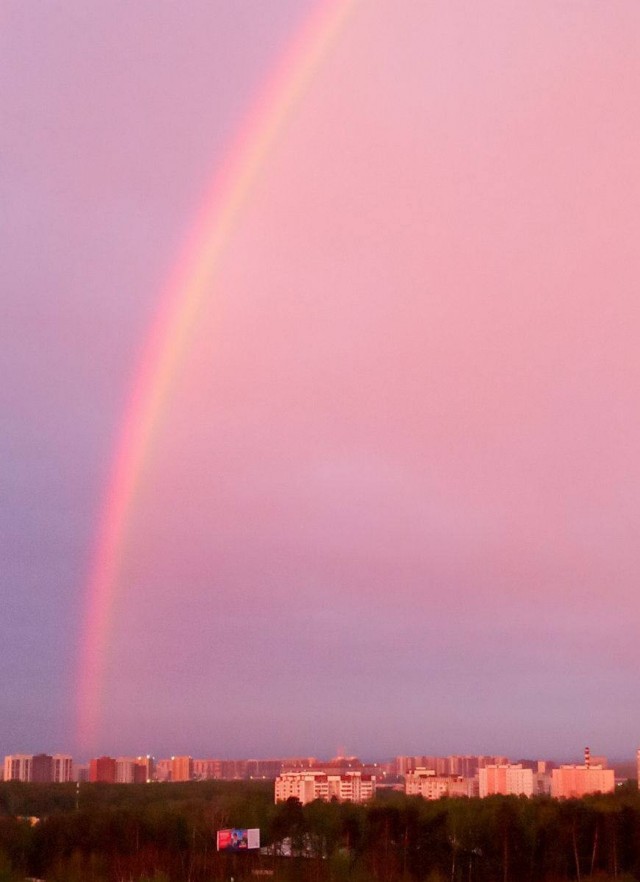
{"type": "Point", "coordinates": [392, 502]}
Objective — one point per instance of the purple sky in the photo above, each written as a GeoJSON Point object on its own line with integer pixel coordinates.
{"type": "Point", "coordinates": [394, 499]}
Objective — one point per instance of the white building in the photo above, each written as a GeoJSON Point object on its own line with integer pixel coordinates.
{"type": "Point", "coordinates": [38, 767]}
{"type": "Point", "coordinates": [318, 784]}
{"type": "Point", "coordinates": [62, 768]}
{"type": "Point", "coordinates": [17, 767]}
{"type": "Point", "coordinates": [425, 783]}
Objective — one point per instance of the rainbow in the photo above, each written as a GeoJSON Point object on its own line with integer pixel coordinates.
{"type": "Point", "coordinates": [189, 285]}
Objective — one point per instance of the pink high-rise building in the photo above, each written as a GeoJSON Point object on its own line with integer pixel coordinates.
{"type": "Point", "coordinates": [506, 779]}
{"type": "Point", "coordinates": [103, 769]}
{"type": "Point", "coordinates": [145, 769]}
{"type": "Point", "coordinates": [163, 770]}
{"type": "Point", "coordinates": [207, 769]}
{"type": "Point", "coordinates": [181, 768]}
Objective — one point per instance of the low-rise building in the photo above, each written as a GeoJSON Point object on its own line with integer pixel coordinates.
{"type": "Point", "coordinates": [424, 782]}
{"type": "Point", "coordinates": [319, 784]}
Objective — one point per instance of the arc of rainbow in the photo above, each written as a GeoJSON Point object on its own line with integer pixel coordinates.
{"type": "Point", "coordinates": [189, 284]}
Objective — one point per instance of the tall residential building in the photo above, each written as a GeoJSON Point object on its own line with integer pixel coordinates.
{"type": "Point", "coordinates": [542, 778]}
{"type": "Point", "coordinates": [146, 771]}
{"type": "Point", "coordinates": [492, 761]}
{"type": "Point", "coordinates": [81, 772]}
{"type": "Point", "coordinates": [204, 769]}
{"type": "Point", "coordinates": [207, 769]}
{"type": "Point", "coordinates": [234, 770]}
{"type": "Point", "coordinates": [62, 768]}
{"type": "Point", "coordinates": [265, 768]}
{"type": "Point", "coordinates": [453, 765]}
{"type": "Point", "coordinates": [506, 779]}
{"type": "Point", "coordinates": [38, 768]}
{"type": "Point", "coordinates": [318, 784]}
{"type": "Point", "coordinates": [42, 768]}
{"type": "Point", "coordinates": [163, 770]}
{"type": "Point", "coordinates": [103, 769]}
{"type": "Point", "coordinates": [132, 770]}
{"type": "Point", "coordinates": [17, 767]}
{"type": "Point", "coordinates": [181, 768]}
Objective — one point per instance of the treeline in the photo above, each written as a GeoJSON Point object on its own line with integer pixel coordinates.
{"type": "Point", "coordinates": [166, 833]}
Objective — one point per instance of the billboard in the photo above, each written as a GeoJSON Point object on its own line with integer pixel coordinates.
{"type": "Point", "coordinates": [238, 839]}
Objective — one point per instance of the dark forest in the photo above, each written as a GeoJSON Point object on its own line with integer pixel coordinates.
{"type": "Point", "coordinates": [166, 833]}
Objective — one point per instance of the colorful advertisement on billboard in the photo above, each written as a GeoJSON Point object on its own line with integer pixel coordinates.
{"type": "Point", "coordinates": [238, 839]}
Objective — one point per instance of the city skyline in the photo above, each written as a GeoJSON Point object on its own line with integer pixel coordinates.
{"type": "Point", "coordinates": [345, 778]}
{"type": "Point", "coordinates": [444, 763]}
{"type": "Point", "coordinates": [374, 481]}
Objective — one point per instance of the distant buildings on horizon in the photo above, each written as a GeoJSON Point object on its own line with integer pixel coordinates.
{"type": "Point", "coordinates": [344, 778]}
{"type": "Point", "coordinates": [39, 768]}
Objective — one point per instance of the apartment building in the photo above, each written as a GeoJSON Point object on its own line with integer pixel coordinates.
{"type": "Point", "coordinates": [131, 770]}
{"type": "Point", "coordinates": [570, 781]}
{"type": "Point", "coordinates": [61, 768]}
{"type": "Point", "coordinates": [507, 779]}
{"type": "Point", "coordinates": [319, 784]}
{"type": "Point", "coordinates": [38, 768]}
{"type": "Point", "coordinates": [181, 768]}
{"type": "Point", "coordinates": [466, 766]}
{"type": "Point", "coordinates": [102, 769]}
{"type": "Point", "coordinates": [426, 783]}
{"type": "Point", "coordinates": [17, 767]}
